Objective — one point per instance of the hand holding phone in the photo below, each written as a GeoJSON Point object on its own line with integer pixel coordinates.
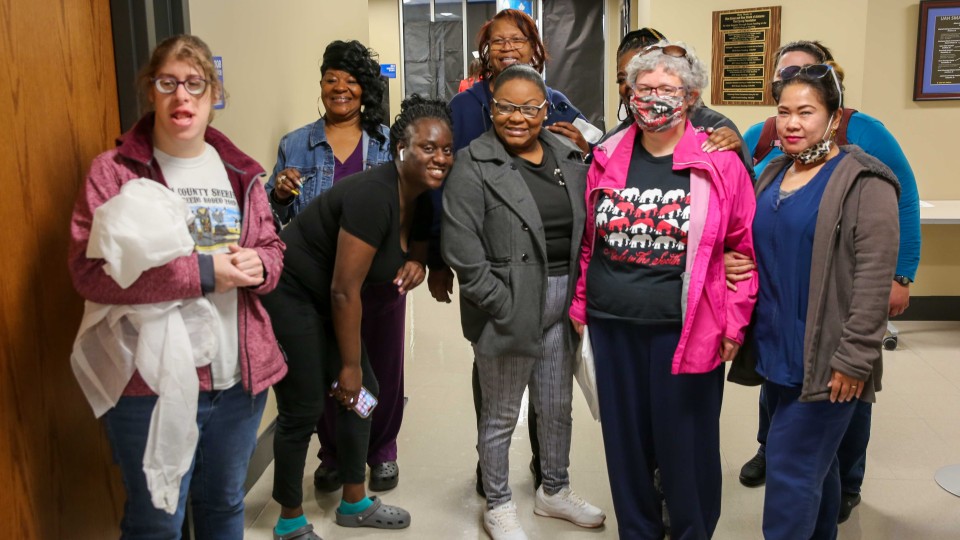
{"type": "Point", "coordinates": [364, 403]}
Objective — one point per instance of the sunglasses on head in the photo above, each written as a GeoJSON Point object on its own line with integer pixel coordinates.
{"type": "Point", "coordinates": [675, 51]}
{"type": "Point", "coordinates": [816, 71]}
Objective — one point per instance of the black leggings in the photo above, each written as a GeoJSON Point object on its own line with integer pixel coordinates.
{"type": "Point", "coordinates": [313, 363]}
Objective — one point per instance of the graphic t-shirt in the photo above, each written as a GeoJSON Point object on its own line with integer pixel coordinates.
{"type": "Point", "coordinates": [639, 253]}
{"type": "Point", "coordinates": [202, 182]}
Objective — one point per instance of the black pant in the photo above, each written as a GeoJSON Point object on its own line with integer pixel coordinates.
{"type": "Point", "coordinates": [531, 420]}
{"type": "Point", "coordinates": [313, 363]}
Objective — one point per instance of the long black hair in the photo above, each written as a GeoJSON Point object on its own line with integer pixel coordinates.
{"type": "Point", "coordinates": [361, 62]}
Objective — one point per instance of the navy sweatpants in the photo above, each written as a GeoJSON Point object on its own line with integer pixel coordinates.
{"type": "Point", "coordinates": [802, 499]}
{"type": "Point", "coordinates": [853, 448]}
{"type": "Point", "coordinates": [651, 418]}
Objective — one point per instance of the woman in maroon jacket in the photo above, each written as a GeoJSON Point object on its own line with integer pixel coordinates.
{"type": "Point", "coordinates": [237, 257]}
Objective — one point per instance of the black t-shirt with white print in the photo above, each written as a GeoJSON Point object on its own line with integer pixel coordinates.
{"type": "Point", "coordinates": [639, 252]}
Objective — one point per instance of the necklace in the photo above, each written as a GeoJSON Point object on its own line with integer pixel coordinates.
{"type": "Point", "coordinates": [558, 174]}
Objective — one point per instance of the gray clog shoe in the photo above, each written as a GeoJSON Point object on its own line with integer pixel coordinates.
{"type": "Point", "coordinates": [303, 533]}
{"type": "Point", "coordinates": [378, 515]}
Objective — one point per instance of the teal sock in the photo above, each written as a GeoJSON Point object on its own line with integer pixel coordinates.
{"type": "Point", "coordinates": [287, 526]}
{"type": "Point", "coordinates": [348, 509]}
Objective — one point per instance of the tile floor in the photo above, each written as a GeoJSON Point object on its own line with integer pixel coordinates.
{"type": "Point", "coordinates": [916, 430]}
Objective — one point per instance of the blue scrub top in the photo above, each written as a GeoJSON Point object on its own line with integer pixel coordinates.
{"type": "Point", "coordinates": [783, 231]}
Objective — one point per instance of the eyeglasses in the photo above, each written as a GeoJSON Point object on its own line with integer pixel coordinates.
{"type": "Point", "coordinates": [675, 51]}
{"type": "Point", "coordinates": [506, 109]}
{"type": "Point", "coordinates": [664, 90]}
{"type": "Point", "coordinates": [514, 42]}
{"type": "Point", "coordinates": [194, 86]}
{"type": "Point", "coordinates": [816, 71]}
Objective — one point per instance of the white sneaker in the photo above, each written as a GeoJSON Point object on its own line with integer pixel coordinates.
{"type": "Point", "coordinates": [566, 504]}
{"type": "Point", "coordinates": [502, 523]}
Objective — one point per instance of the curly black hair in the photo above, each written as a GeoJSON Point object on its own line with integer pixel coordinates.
{"type": "Point", "coordinates": [360, 61]}
{"type": "Point", "coordinates": [412, 109]}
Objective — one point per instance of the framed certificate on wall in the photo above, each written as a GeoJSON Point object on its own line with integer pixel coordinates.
{"type": "Point", "coordinates": [938, 51]}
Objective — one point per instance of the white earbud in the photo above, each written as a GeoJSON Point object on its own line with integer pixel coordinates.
{"type": "Point", "coordinates": [401, 154]}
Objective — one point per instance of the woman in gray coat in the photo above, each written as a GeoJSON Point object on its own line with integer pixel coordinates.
{"type": "Point", "coordinates": [513, 215]}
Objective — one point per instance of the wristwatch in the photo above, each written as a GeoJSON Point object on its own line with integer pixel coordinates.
{"type": "Point", "coordinates": [902, 280]}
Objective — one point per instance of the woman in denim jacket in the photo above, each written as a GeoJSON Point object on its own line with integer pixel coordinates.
{"type": "Point", "coordinates": [348, 138]}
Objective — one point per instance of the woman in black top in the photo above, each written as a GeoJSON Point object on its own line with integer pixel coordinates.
{"type": "Point", "coordinates": [513, 213]}
{"type": "Point", "coordinates": [366, 229]}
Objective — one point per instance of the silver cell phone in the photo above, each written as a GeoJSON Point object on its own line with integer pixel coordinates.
{"type": "Point", "coordinates": [365, 401]}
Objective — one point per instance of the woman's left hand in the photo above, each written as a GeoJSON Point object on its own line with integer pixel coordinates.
{"type": "Point", "coordinates": [844, 387]}
{"type": "Point", "coordinates": [568, 130]}
{"type": "Point", "coordinates": [721, 138]}
{"type": "Point", "coordinates": [409, 276]}
{"type": "Point", "coordinates": [348, 386]}
{"type": "Point", "coordinates": [247, 261]}
{"type": "Point", "coordinates": [728, 349]}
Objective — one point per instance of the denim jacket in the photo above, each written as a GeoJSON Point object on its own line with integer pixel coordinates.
{"type": "Point", "coordinates": [307, 150]}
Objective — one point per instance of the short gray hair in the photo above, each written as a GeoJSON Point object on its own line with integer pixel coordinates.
{"type": "Point", "coordinates": [690, 70]}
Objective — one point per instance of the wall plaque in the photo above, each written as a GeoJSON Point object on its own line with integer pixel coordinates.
{"type": "Point", "coordinates": [938, 52]}
{"type": "Point", "coordinates": [744, 44]}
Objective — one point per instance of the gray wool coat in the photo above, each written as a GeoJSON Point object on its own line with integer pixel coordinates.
{"type": "Point", "coordinates": [851, 271]}
{"type": "Point", "coordinates": [494, 239]}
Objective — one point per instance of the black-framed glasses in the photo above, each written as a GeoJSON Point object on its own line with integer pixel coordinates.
{"type": "Point", "coordinates": [194, 86]}
{"type": "Point", "coordinates": [664, 90]}
{"type": "Point", "coordinates": [815, 71]}
{"type": "Point", "coordinates": [675, 51]}
{"type": "Point", "coordinates": [506, 108]}
{"type": "Point", "coordinates": [514, 42]}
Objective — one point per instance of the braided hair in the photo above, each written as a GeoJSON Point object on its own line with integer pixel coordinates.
{"type": "Point", "coordinates": [638, 39]}
{"type": "Point", "coordinates": [413, 109]}
{"type": "Point", "coordinates": [360, 62]}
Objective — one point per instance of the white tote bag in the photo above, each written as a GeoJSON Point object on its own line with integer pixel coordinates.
{"type": "Point", "coordinates": [586, 374]}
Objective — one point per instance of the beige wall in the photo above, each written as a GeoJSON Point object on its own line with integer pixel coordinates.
{"type": "Point", "coordinates": [875, 42]}
{"type": "Point", "coordinates": [271, 70]}
{"type": "Point", "coordinates": [271, 53]}
{"type": "Point", "coordinates": [385, 39]}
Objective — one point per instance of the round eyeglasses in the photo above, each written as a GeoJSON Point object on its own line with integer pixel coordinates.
{"type": "Point", "coordinates": [194, 86]}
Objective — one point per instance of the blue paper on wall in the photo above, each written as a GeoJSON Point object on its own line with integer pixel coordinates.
{"type": "Point", "coordinates": [218, 65]}
{"type": "Point", "coordinates": [388, 70]}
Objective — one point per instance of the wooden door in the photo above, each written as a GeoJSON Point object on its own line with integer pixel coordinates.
{"type": "Point", "coordinates": [58, 109]}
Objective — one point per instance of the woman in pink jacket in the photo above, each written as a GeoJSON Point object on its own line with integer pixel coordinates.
{"type": "Point", "coordinates": [660, 214]}
{"type": "Point", "coordinates": [237, 258]}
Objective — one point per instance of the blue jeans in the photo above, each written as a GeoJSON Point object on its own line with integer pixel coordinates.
{"type": "Point", "coordinates": [802, 498]}
{"type": "Point", "coordinates": [228, 422]}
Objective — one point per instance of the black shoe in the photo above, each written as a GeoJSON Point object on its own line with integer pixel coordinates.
{"type": "Point", "coordinates": [754, 472]}
{"type": "Point", "coordinates": [326, 480]}
{"type": "Point", "coordinates": [535, 471]}
{"type": "Point", "coordinates": [384, 476]}
{"type": "Point", "coordinates": [847, 503]}
{"type": "Point", "coordinates": [480, 490]}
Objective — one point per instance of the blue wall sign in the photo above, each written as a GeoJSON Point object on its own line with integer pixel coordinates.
{"type": "Point", "coordinates": [218, 65]}
{"type": "Point", "coordinates": [525, 6]}
{"type": "Point", "coordinates": [388, 70]}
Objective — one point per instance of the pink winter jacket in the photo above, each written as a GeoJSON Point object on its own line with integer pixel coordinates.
{"type": "Point", "coordinates": [261, 362]}
{"type": "Point", "coordinates": [722, 208]}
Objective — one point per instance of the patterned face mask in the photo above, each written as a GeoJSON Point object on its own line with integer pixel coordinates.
{"type": "Point", "coordinates": [815, 153]}
{"type": "Point", "coordinates": [656, 113]}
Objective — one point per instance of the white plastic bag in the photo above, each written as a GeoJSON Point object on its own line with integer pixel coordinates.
{"type": "Point", "coordinates": [586, 374]}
